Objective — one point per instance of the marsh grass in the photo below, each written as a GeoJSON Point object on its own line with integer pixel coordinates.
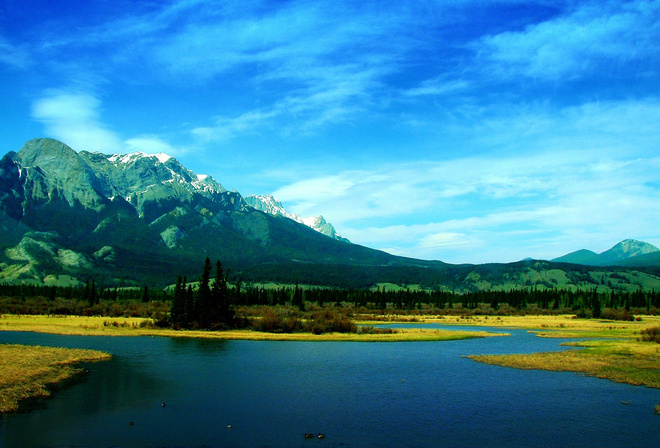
{"type": "Point", "coordinates": [98, 326]}
{"type": "Point", "coordinates": [33, 372]}
{"type": "Point", "coordinates": [622, 361]}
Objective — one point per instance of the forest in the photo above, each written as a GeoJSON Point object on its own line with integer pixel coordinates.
{"type": "Point", "coordinates": [218, 303]}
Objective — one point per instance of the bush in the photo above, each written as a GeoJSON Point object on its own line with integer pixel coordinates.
{"type": "Point", "coordinates": [651, 334]}
{"type": "Point", "coordinates": [613, 314]}
{"type": "Point", "coordinates": [330, 321]}
{"type": "Point", "coordinates": [368, 329]}
{"type": "Point", "coordinates": [277, 321]}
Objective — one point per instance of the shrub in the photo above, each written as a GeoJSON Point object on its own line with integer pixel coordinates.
{"type": "Point", "coordinates": [277, 321]}
{"type": "Point", "coordinates": [368, 329]}
{"type": "Point", "coordinates": [330, 321]}
{"type": "Point", "coordinates": [651, 334]}
{"type": "Point", "coordinates": [614, 314]}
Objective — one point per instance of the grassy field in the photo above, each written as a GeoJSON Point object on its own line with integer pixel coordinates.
{"type": "Point", "coordinates": [28, 372]}
{"type": "Point", "coordinates": [613, 349]}
{"type": "Point", "coordinates": [626, 361]}
{"type": "Point", "coordinates": [103, 326]}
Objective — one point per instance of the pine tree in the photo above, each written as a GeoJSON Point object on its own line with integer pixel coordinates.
{"type": "Point", "coordinates": [189, 315]}
{"type": "Point", "coordinates": [203, 313]}
{"type": "Point", "coordinates": [221, 304]}
{"type": "Point", "coordinates": [178, 311]}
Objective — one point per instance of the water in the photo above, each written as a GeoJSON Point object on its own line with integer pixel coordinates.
{"type": "Point", "coordinates": [404, 394]}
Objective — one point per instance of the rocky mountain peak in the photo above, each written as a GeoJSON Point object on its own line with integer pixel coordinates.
{"type": "Point", "coordinates": [627, 249]}
{"type": "Point", "coordinates": [273, 206]}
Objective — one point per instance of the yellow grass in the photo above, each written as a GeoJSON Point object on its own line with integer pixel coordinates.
{"type": "Point", "coordinates": [615, 354]}
{"type": "Point", "coordinates": [30, 371]}
{"type": "Point", "coordinates": [559, 326]}
{"type": "Point", "coordinates": [104, 326]}
{"type": "Point", "coordinates": [630, 362]}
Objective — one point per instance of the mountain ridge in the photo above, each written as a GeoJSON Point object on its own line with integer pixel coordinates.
{"type": "Point", "coordinates": [67, 217]}
{"type": "Point", "coordinates": [620, 253]}
{"type": "Point", "coordinates": [270, 204]}
{"type": "Point", "coordinates": [133, 213]}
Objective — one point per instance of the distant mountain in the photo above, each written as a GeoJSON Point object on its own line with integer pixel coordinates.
{"type": "Point", "coordinates": [141, 217]}
{"type": "Point", "coordinates": [582, 256]}
{"type": "Point", "coordinates": [622, 253]}
{"type": "Point", "coordinates": [269, 204]}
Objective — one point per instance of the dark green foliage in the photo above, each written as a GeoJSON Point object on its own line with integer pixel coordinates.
{"type": "Point", "coordinates": [203, 312]}
{"type": "Point", "coordinates": [222, 309]}
{"type": "Point", "coordinates": [178, 309]}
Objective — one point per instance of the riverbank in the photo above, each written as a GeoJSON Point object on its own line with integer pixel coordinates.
{"type": "Point", "coordinates": [615, 354]}
{"type": "Point", "coordinates": [614, 350]}
{"type": "Point", "coordinates": [622, 361]}
{"type": "Point", "coordinates": [29, 372]}
{"type": "Point", "coordinates": [103, 326]}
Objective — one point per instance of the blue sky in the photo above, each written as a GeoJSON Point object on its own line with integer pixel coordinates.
{"type": "Point", "coordinates": [465, 131]}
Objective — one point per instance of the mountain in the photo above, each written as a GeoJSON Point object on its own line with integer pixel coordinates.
{"type": "Point", "coordinates": [143, 218]}
{"type": "Point", "coordinates": [582, 256]}
{"type": "Point", "coordinates": [137, 219]}
{"type": "Point", "coordinates": [271, 205]}
{"type": "Point", "coordinates": [624, 253]}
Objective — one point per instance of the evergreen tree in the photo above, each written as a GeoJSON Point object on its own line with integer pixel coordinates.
{"type": "Point", "coordinates": [222, 309]}
{"type": "Point", "coordinates": [178, 311]}
{"type": "Point", "coordinates": [203, 313]}
{"type": "Point", "coordinates": [297, 298]}
{"type": "Point", "coordinates": [595, 304]}
{"type": "Point", "coordinates": [189, 315]}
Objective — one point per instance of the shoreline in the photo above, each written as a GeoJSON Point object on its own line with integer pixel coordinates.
{"type": "Point", "coordinates": [30, 373]}
{"type": "Point", "coordinates": [103, 326]}
{"type": "Point", "coordinates": [609, 349]}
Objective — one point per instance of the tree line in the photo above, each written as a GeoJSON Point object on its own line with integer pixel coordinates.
{"type": "Point", "coordinates": [212, 303]}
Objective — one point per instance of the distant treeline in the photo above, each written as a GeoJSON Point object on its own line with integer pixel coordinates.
{"type": "Point", "coordinates": [208, 303]}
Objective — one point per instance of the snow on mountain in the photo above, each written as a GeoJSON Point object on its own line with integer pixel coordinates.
{"type": "Point", "coordinates": [167, 170]}
{"type": "Point", "coordinates": [271, 205]}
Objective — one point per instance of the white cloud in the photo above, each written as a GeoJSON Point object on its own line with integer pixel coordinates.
{"type": "Point", "coordinates": [74, 118]}
{"type": "Point", "coordinates": [577, 43]}
{"type": "Point", "coordinates": [152, 144]}
{"type": "Point", "coordinates": [466, 210]}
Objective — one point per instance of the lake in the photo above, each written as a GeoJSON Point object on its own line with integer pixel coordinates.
{"type": "Point", "coordinates": [269, 394]}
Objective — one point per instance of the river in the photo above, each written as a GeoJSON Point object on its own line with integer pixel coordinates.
{"type": "Point", "coordinates": [178, 392]}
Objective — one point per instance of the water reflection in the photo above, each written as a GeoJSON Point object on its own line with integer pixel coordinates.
{"type": "Point", "coordinates": [207, 347]}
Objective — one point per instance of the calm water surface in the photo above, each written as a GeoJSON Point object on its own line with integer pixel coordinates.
{"type": "Point", "coordinates": [404, 394]}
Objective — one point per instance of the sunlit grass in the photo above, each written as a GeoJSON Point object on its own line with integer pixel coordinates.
{"type": "Point", "coordinates": [628, 361]}
{"type": "Point", "coordinates": [616, 352]}
{"type": "Point", "coordinates": [31, 371]}
{"type": "Point", "coordinates": [560, 326]}
{"type": "Point", "coordinates": [103, 326]}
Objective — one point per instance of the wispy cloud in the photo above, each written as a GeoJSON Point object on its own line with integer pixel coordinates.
{"type": "Point", "coordinates": [75, 119]}
{"type": "Point", "coordinates": [595, 36]}
{"type": "Point", "coordinates": [14, 56]}
{"type": "Point", "coordinates": [575, 179]}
